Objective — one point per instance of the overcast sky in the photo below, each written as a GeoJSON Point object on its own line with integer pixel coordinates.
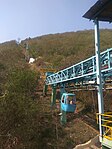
{"type": "Point", "coordinates": [32, 18]}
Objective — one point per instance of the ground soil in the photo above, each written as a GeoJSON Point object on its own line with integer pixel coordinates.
{"type": "Point", "coordinates": [76, 131]}
{"type": "Point", "coordinates": [80, 127]}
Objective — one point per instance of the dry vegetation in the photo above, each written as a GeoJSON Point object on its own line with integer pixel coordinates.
{"type": "Point", "coordinates": [26, 118]}
{"type": "Point", "coordinates": [68, 48]}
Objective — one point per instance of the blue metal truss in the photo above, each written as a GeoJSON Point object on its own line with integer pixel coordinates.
{"type": "Point", "coordinates": [85, 70]}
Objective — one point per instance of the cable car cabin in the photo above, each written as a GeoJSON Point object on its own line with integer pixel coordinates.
{"type": "Point", "coordinates": [68, 102]}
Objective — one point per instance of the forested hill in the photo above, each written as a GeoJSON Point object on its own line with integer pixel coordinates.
{"type": "Point", "coordinates": [68, 48]}
{"type": "Point", "coordinates": [26, 117]}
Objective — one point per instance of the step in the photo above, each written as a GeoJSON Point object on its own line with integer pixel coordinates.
{"type": "Point", "coordinates": [91, 144]}
{"type": "Point", "coordinates": [94, 147]}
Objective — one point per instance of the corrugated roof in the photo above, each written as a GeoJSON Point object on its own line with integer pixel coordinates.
{"type": "Point", "coordinates": [102, 10]}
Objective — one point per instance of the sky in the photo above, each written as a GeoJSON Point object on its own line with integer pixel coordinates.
{"type": "Point", "coordinates": [32, 18]}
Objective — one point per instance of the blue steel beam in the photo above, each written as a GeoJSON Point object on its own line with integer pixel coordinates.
{"type": "Point", "coordinates": [83, 70]}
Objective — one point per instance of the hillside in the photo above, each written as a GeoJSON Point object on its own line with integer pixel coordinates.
{"type": "Point", "coordinates": [26, 117]}
{"type": "Point", "coordinates": [10, 57]}
{"type": "Point", "coordinates": [68, 48]}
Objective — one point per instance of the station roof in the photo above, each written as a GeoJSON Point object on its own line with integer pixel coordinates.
{"type": "Point", "coordinates": [102, 10]}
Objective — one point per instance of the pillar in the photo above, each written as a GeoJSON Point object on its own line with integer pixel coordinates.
{"type": "Point", "coordinates": [63, 118]}
{"type": "Point", "coordinates": [98, 75]}
{"type": "Point", "coordinates": [53, 97]}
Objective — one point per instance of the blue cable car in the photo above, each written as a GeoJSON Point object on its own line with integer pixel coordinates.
{"type": "Point", "coordinates": [68, 102]}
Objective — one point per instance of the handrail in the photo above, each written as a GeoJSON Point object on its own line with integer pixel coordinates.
{"type": "Point", "coordinates": [106, 120]}
{"type": "Point", "coordinates": [83, 70]}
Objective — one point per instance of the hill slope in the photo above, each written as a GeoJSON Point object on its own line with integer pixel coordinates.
{"type": "Point", "coordinates": [67, 48]}
{"type": "Point", "coordinates": [26, 120]}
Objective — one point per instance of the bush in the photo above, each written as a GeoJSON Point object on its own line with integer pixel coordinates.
{"type": "Point", "coordinates": [19, 111]}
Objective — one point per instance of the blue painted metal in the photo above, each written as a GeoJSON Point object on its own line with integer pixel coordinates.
{"type": "Point", "coordinates": [101, 61]}
{"type": "Point", "coordinates": [85, 70]}
{"type": "Point", "coordinates": [48, 73]}
{"type": "Point", "coordinates": [68, 102]}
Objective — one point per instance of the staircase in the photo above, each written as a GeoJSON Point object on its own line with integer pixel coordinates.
{"type": "Point", "coordinates": [92, 144]}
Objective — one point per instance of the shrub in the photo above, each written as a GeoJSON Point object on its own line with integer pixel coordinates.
{"type": "Point", "coordinates": [19, 111]}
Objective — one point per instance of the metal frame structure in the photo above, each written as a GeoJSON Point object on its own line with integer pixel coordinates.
{"type": "Point", "coordinates": [83, 71]}
{"type": "Point", "coordinates": [100, 11]}
{"type": "Point", "coordinates": [98, 67]}
{"type": "Point", "coordinates": [106, 123]}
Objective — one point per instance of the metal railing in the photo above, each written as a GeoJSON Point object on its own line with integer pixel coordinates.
{"type": "Point", "coordinates": [106, 120]}
{"type": "Point", "coordinates": [85, 70]}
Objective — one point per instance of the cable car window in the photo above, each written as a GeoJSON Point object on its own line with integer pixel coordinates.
{"type": "Point", "coordinates": [70, 99]}
{"type": "Point", "coordinates": [74, 100]}
{"type": "Point", "coordinates": [63, 99]}
{"type": "Point", "coordinates": [67, 100]}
